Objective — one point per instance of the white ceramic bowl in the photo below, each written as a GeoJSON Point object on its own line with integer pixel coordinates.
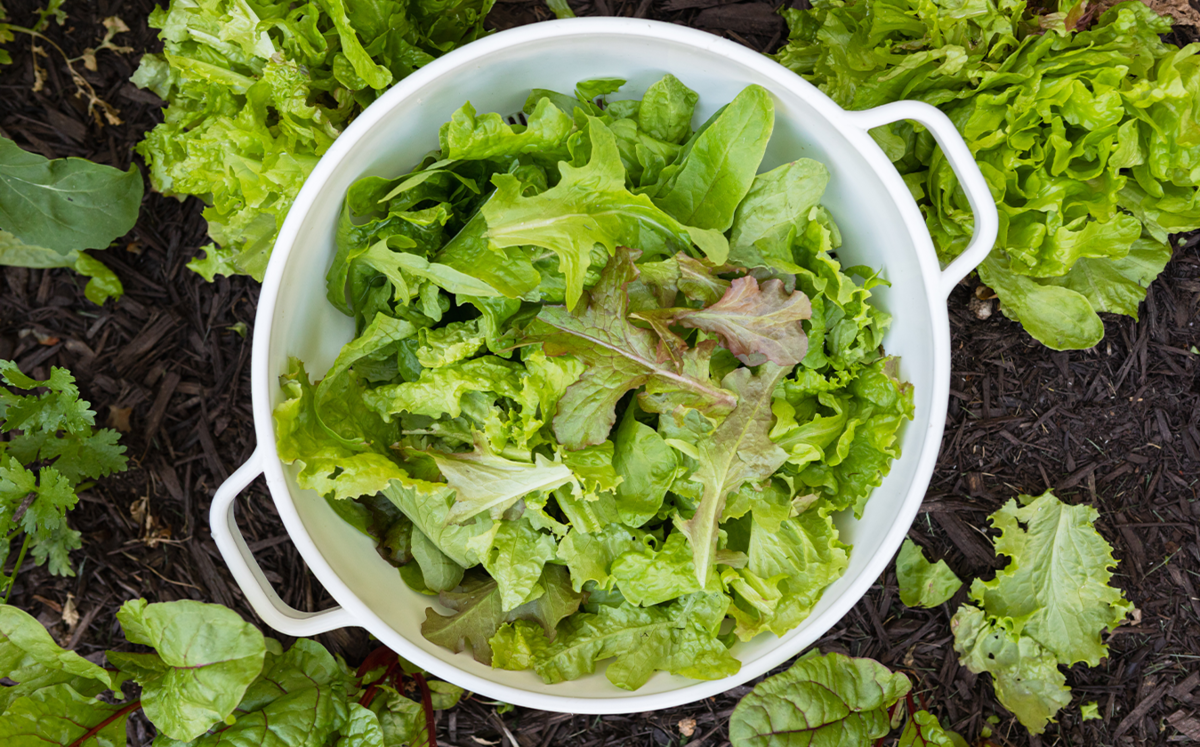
{"type": "Point", "coordinates": [881, 225]}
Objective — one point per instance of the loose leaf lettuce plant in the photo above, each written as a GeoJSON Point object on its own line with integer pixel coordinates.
{"type": "Point", "coordinates": [53, 451]}
{"type": "Point", "coordinates": [610, 384]}
{"type": "Point", "coordinates": [1085, 137]}
{"type": "Point", "coordinates": [1048, 606]}
{"type": "Point", "coordinates": [211, 679]}
{"type": "Point", "coordinates": [257, 90]}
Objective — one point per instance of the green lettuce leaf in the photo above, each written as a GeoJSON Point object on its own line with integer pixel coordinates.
{"type": "Point", "coordinates": [589, 206]}
{"type": "Point", "coordinates": [1026, 675]}
{"type": "Point", "coordinates": [718, 165]}
{"type": "Point", "coordinates": [484, 481]}
{"type": "Point", "coordinates": [1055, 588]}
{"type": "Point", "coordinates": [468, 137]}
{"type": "Point", "coordinates": [821, 700]}
{"type": "Point", "coordinates": [515, 561]}
{"type": "Point", "coordinates": [677, 638]}
{"type": "Point", "coordinates": [666, 110]}
{"type": "Point", "coordinates": [923, 584]}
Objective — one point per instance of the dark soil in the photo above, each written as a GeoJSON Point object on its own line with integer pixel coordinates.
{"type": "Point", "coordinates": [1115, 426]}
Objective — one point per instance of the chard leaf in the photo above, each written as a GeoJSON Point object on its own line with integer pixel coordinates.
{"type": "Point", "coordinates": [59, 716]}
{"type": "Point", "coordinates": [207, 657]}
{"type": "Point", "coordinates": [362, 729]}
{"type": "Point", "coordinates": [821, 700]}
{"type": "Point", "coordinates": [31, 658]}
{"type": "Point", "coordinates": [618, 357]}
{"type": "Point", "coordinates": [299, 700]}
{"type": "Point", "coordinates": [589, 206]}
{"type": "Point", "coordinates": [923, 584]}
{"type": "Point", "coordinates": [756, 324]}
{"type": "Point", "coordinates": [736, 452]}
{"type": "Point", "coordinates": [1026, 675]}
{"type": "Point", "coordinates": [485, 481]}
{"type": "Point", "coordinates": [68, 204]}
{"type": "Point", "coordinates": [924, 730]}
{"type": "Point", "coordinates": [1055, 588]}
{"type": "Point", "coordinates": [719, 164]}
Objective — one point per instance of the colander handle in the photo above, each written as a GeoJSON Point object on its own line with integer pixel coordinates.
{"type": "Point", "coordinates": [249, 575]}
{"type": "Point", "coordinates": [983, 206]}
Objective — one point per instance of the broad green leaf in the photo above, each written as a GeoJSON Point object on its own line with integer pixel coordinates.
{"type": "Point", "coordinates": [593, 466]}
{"type": "Point", "coordinates": [428, 505]}
{"type": "Point", "coordinates": [58, 716]}
{"type": "Point", "coordinates": [756, 324]}
{"type": "Point", "coordinates": [618, 357]}
{"type": "Point", "coordinates": [439, 572]}
{"type": "Point", "coordinates": [589, 206]}
{"type": "Point", "coordinates": [646, 465]}
{"type": "Point", "coordinates": [68, 204]}
{"type": "Point", "coordinates": [827, 699]}
{"type": "Point", "coordinates": [778, 202]}
{"type": "Point", "coordinates": [589, 555]}
{"type": "Point", "coordinates": [516, 645]}
{"type": "Point", "coordinates": [362, 729]}
{"type": "Point", "coordinates": [206, 658]}
{"type": "Point", "coordinates": [373, 74]}
{"type": "Point", "coordinates": [31, 658]}
{"type": "Point", "coordinates": [666, 110]}
{"type": "Point", "coordinates": [485, 481]}
{"type": "Point", "coordinates": [299, 700]}
{"type": "Point", "coordinates": [720, 162]}
{"type": "Point", "coordinates": [923, 584]}
{"type": "Point", "coordinates": [1057, 316]}
{"type": "Point", "coordinates": [1055, 588]}
{"type": "Point", "coordinates": [738, 451]}
{"type": "Point", "coordinates": [1026, 675]}
{"type": "Point", "coordinates": [1117, 285]}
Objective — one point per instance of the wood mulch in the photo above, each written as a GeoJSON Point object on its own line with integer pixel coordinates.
{"type": "Point", "coordinates": [1115, 426]}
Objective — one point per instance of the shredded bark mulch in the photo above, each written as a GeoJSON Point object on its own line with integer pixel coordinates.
{"type": "Point", "coordinates": [168, 364]}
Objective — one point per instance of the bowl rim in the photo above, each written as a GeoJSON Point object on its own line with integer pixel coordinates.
{"type": "Point", "coordinates": [654, 31]}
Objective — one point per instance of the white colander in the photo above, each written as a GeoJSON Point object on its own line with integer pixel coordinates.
{"type": "Point", "coordinates": [881, 226]}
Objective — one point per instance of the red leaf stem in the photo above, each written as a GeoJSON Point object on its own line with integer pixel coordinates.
{"type": "Point", "coordinates": [427, 704]}
{"type": "Point", "coordinates": [135, 705]}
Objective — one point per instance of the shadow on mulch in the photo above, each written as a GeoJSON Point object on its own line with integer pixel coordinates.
{"type": "Point", "coordinates": [1115, 426]}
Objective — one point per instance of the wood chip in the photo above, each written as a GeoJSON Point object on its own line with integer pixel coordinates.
{"type": "Point", "coordinates": [1186, 724]}
{"type": "Point", "coordinates": [1139, 711]}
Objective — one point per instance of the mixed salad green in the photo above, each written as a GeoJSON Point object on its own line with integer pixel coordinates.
{"type": "Point", "coordinates": [610, 384]}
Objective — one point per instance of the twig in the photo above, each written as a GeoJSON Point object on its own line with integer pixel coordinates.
{"type": "Point", "coordinates": [96, 729]}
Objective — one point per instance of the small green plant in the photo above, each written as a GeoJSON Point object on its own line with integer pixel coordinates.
{"type": "Point", "coordinates": [54, 434]}
{"type": "Point", "coordinates": [212, 679]}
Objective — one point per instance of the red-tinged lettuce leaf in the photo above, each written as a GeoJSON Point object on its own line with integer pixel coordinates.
{"type": "Point", "coordinates": [479, 612]}
{"type": "Point", "coordinates": [589, 206]}
{"type": "Point", "coordinates": [826, 700]}
{"type": "Point", "coordinates": [1026, 676]}
{"type": "Point", "coordinates": [736, 452]}
{"type": "Point", "coordinates": [207, 657]}
{"type": "Point", "coordinates": [755, 323]}
{"type": "Point", "coordinates": [1055, 588]}
{"type": "Point", "coordinates": [31, 658]}
{"type": "Point", "coordinates": [618, 356]}
{"type": "Point", "coordinates": [57, 716]}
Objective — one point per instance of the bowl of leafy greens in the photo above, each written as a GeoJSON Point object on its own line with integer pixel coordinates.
{"type": "Point", "coordinates": [600, 366]}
